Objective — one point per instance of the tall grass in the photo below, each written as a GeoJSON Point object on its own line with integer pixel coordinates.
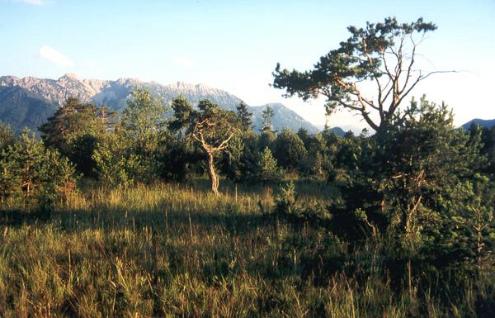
{"type": "Point", "coordinates": [176, 250]}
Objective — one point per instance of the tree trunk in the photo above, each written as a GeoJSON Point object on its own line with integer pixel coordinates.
{"type": "Point", "coordinates": [212, 173]}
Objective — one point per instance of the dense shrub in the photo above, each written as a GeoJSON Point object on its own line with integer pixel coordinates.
{"type": "Point", "coordinates": [33, 176]}
{"type": "Point", "coordinates": [74, 130]}
{"type": "Point", "coordinates": [268, 170]}
{"type": "Point", "coordinates": [289, 150]}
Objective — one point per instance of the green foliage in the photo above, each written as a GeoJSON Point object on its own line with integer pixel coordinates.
{"type": "Point", "coordinates": [426, 157]}
{"type": "Point", "coordinates": [73, 130]}
{"type": "Point", "coordinates": [183, 111]}
{"type": "Point", "coordinates": [463, 236]}
{"type": "Point", "coordinates": [117, 164]}
{"type": "Point", "coordinates": [213, 125]}
{"type": "Point", "coordinates": [175, 158]}
{"type": "Point", "coordinates": [267, 116]}
{"type": "Point", "coordinates": [289, 208]}
{"type": "Point", "coordinates": [268, 170]}
{"type": "Point", "coordinates": [316, 158]}
{"type": "Point", "coordinates": [33, 176]}
{"type": "Point", "coordinates": [347, 160]}
{"type": "Point", "coordinates": [289, 150]}
{"type": "Point", "coordinates": [7, 136]}
{"type": "Point", "coordinates": [129, 152]}
{"type": "Point", "coordinates": [380, 53]}
{"type": "Point", "coordinates": [286, 201]}
{"type": "Point", "coordinates": [245, 117]}
{"type": "Point", "coordinates": [143, 122]}
{"type": "Point", "coordinates": [488, 148]}
{"type": "Point", "coordinates": [211, 128]}
{"type": "Point", "coordinates": [402, 181]}
{"type": "Point", "coordinates": [266, 139]}
{"type": "Point", "coordinates": [232, 163]}
{"type": "Point", "coordinates": [246, 165]}
{"type": "Point", "coordinates": [69, 122]}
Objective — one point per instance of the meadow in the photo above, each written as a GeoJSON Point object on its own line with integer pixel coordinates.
{"type": "Point", "coordinates": [178, 250]}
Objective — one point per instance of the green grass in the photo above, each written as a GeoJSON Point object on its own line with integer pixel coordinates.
{"type": "Point", "coordinates": [176, 250]}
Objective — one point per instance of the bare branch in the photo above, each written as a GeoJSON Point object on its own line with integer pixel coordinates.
{"type": "Point", "coordinates": [419, 79]}
{"type": "Point", "coordinates": [409, 68]}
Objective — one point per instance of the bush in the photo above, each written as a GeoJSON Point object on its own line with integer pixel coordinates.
{"type": "Point", "coordinates": [288, 208]}
{"type": "Point", "coordinates": [33, 175]}
{"type": "Point", "coordinates": [118, 165]}
{"type": "Point", "coordinates": [268, 170]}
{"type": "Point", "coordinates": [289, 150]}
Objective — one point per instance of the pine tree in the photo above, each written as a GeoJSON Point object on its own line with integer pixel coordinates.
{"type": "Point", "coordinates": [289, 150]}
{"type": "Point", "coordinates": [69, 122]}
{"type": "Point", "coordinates": [7, 136]}
{"type": "Point", "coordinates": [267, 116]}
{"type": "Point", "coordinates": [32, 174]}
{"type": "Point", "coordinates": [419, 162]}
{"type": "Point", "coordinates": [74, 130]}
{"type": "Point", "coordinates": [268, 170]}
{"type": "Point", "coordinates": [343, 75]}
{"type": "Point", "coordinates": [244, 116]}
{"type": "Point", "coordinates": [232, 164]}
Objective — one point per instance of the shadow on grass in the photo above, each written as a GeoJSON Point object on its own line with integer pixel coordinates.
{"type": "Point", "coordinates": [162, 215]}
{"type": "Point", "coordinates": [311, 188]}
{"type": "Point", "coordinates": [158, 220]}
{"type": "Point", "coordinates": [17, 217]}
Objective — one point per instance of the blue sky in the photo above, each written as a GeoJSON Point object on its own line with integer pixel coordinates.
{"type": "Point", "coordinates": [234, 45]}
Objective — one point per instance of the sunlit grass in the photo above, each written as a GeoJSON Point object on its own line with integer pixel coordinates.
{"type": "Point", "coordinates": [178, 250]}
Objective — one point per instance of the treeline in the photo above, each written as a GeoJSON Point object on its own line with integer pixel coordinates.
{"type": "Point", "coordinates": [142, 146]}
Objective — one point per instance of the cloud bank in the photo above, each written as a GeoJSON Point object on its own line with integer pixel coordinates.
{"type": "Point", "coordinates": [54, 56]}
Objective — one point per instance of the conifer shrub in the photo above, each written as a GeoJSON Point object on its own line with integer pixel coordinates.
{"type": "Point", "coordinates": [268, 170]}
{"type": "Point", "coordinates": [34, 177]}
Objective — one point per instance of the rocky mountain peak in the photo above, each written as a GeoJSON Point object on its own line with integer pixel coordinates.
{"type": "Point", "coordinates": [190, 87]}
{"type": "Point", "coordinates": [69, 76]}
{"type": "Point", "coordinates": [128, 81]}
{"type": "Point", "coordinates": [50, 94]}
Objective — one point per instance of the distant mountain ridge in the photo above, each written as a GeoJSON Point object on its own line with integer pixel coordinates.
{"type": "Point", "coordinates": [29, 101]}
{"type": "Point", "coordinates": [486, 123]}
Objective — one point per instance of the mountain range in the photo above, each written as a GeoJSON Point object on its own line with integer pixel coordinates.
{"type": "Point", "coordinates": [485, 123]}
{"type": "Point", "coordinates": [29, 101]}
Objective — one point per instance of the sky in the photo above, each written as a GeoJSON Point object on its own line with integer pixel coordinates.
{"type": "Point", "coordinates": [235, 45]}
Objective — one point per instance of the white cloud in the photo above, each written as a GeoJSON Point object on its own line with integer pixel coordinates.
{"type": "Point", "coordinates": [33, 2]}
{"type": "Point", "coordinates": [185, 62]}
{"type": "Point", "coordinates": [54, 56]}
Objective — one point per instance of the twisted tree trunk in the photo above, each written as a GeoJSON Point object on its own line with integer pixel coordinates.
{"type": "Point", "coordinates": [212, 173]}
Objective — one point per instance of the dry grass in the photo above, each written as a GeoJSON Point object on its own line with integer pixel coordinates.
{"type": "Point", "coordinates": [169, 250]}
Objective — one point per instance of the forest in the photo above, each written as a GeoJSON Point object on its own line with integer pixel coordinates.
{"type": "Point", "coordinates": [197, 214]}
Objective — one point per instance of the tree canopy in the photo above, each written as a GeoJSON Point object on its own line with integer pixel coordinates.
{"type": "Point", "coordinates": [383, 54]}
{"type": "Point", "coordinates": [74, 130]}
{"type": "Point", "coordinates": [245, 116]}
{"type": "Point", "coordinates": [267, 117]}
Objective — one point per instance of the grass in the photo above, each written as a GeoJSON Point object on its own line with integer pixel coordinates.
{"type": "Point", "coordinates": [176, 250]}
